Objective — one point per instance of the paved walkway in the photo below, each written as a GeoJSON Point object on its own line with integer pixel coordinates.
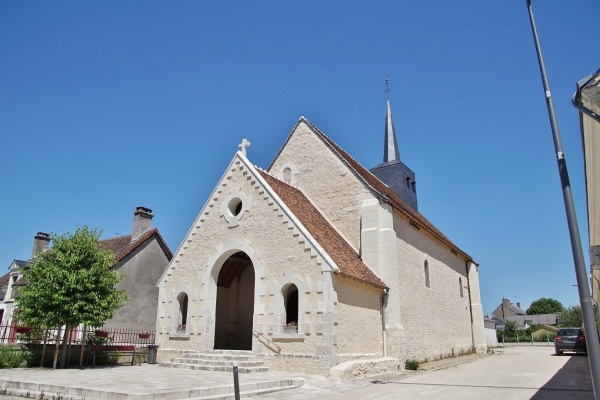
{"type": "Point", "coordinates": [150, 382]}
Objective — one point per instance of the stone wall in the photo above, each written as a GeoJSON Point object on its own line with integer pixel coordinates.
{"type": "Point", "coordinates": [436, 319]}
{"type": "Point", "coordinates": [280, 255]}
{"type": "Point", "coordinates": [328, 183]}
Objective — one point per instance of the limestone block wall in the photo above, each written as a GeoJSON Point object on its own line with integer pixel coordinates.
{"type": "Point", "coordinates": [436, 319]}
{"type": "Point", "coordinates": [358, 314]}
{"type": "Point", "coordinates": [280, 256]}
{"type": "Point", "coordinates": [328, 183]}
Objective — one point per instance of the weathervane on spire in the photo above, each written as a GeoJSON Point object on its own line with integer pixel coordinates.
{"type": "Point", "coordinates": [387, 88]}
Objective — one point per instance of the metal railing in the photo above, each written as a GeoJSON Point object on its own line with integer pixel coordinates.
{"type": "Point", "coordinates": [11, 334]}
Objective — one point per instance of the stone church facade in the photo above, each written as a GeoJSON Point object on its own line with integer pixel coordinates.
{"type": "Point", "coordinates": [315, 263]}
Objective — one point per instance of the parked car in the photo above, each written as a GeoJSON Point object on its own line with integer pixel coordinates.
{"type": "Point", "coordinates": [570, 339]}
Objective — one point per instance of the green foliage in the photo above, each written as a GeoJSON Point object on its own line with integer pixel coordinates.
{"type": "Point", "coordinates": [524, 336]}
{"type": "Point", "coordinates": [545, 306]}
{"type": "Point", "coordinates": [70, 284]}
{"type": "Point", "coordinates": [572, 316]}
{"type": "Point", "coordinates": [93, 339]}
{"type": "Point", "coordinates": [510, 328]}
{"type": "Point", "coordinates": [411, 365]}
{"type": "Point", "coordinates": [12, 357]}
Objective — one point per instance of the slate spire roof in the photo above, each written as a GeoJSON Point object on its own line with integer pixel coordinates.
{"type": "Point", "coordinates": [390, 145]}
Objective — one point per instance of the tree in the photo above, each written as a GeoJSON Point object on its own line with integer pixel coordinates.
{"type": "Point", "coordinates": [572, 316]}
{"type": "Point", "coordinates": [70, 284]}
{"type": "Point", "coordinates": [545, 306]}
{"type": "Point", "coordinates": [510, 328]}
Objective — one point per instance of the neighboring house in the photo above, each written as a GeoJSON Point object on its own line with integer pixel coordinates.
{"type": "Point", "coordinates": [315, 262]}
{"type": "Point", "coordinates": [142, 257]}
{"type": "Point", "coordinates": [507, 311]}
{"type": "Point", "coordinates": [526, 321]}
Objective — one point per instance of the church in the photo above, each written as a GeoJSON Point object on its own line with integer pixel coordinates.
{"type": "Point", "coordinates": [317, 263]}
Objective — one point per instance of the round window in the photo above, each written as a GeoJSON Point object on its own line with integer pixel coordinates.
{"type": "Point", "coordinates": [235, 206]}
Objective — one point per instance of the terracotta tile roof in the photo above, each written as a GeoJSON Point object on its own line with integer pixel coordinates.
{"type": "Point", "coordinates": [116, 244]}
{"type": "Point", "coordinates": [382, 190]}
{"type": "Point", "coordinates": [4, 280]}
{"type": "Point", "coordinates": [329, 239]}
{"type": "Point", "coordinates": [122, 246]}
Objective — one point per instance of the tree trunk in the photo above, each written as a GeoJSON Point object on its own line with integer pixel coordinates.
{"type": "Point", "coordinates": [82, 346]}
{"type": "Point", "coordinates": [44, 347]}
{"type": "Point", "coordinates": [63, 355]}
{"type": "Point", "coordinates": [56, 348]}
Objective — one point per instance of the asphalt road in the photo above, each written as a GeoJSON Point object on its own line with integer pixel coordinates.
{"type": "Point", "coordinates": [524, 372]}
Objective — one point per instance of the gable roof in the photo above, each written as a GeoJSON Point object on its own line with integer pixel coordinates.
{"type": "Point", "coordinates": [380, 189]}
{"type": "Point", "coordinates": [122, 246]}
{"type": "Point", "coordinates": [4, 279]}
{"type": "Point", "coordinates": [349, 263]}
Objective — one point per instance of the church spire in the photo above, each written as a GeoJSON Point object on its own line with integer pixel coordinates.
{"type": "Point", "coordinates": [390, 146]}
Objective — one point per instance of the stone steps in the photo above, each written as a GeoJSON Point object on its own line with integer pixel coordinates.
{"type": "Point", "coordinates": [213, 361]}
{"type": "Point", "coordinates": [224, 392]}
{"type": "Point", "coordinates": [220, 368]}
{"type": "Point", "coordinates": [218, 360]}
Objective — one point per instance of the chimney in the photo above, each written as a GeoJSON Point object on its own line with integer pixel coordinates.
{"type": "Point", "coordinates": [518, 304]}
{"type": "Point", "coordinates": [41, 242]}
{"type": "Point", "coordinates": [142, 222]}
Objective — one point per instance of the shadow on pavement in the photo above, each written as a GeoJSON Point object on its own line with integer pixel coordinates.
{"type": "Point", "coordinates": [572, 381]}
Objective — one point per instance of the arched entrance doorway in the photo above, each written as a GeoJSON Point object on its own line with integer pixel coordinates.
{"type": "Point", "coordinates": [235, 304]}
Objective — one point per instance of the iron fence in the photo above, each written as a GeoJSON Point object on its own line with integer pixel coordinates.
{"type": "Point", "coordinates": [11, 334]}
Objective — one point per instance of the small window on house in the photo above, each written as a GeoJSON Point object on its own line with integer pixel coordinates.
{"type": "Point", "coordinates": [414, 187]}
{"type": "Point", "coordinates": [287, 175]}
{"type": "Point", "coordinates": [408, 182]}
{"type": "Point", "coordinates": [427, 274]}
{"type": "Point", "coordinates": [183, 309]}
{"type": "Point", "coordinates": [460, 286]}
{"type": "Point", "coordinates": [290, 298]}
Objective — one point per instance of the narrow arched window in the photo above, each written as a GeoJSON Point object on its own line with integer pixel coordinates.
{"type": "Point", "coordinates": [287, 175]}
{"type": "Point", "coordinates": [460, 285]}
{"type": "Point", "coordinates": [183, 310]}
{"type": "Point", "coordinates": [290, 297]}
{"type": "Point", "coordinates": [426, 270]}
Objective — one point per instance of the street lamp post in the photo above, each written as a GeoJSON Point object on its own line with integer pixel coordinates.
{"type": "Point", "coordinates": [587, 309]}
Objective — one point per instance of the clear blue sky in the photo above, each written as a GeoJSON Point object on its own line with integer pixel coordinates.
{"type": "Point", "coordinates": [108, 105]}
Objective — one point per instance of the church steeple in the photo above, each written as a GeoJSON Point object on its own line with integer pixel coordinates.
{"type": "Point", "coordinates": [390, 146]}
{"type": "Point", "coordinates": [392, 171]}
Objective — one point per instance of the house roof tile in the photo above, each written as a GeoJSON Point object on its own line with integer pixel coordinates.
{"type": "Point", "coordinates": [4, 279]}
{"type": "Point", "coordinates": [122, 246]}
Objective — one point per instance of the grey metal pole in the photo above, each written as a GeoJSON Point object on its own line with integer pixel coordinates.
{"type": "Point", "coordinates": [236, 381]}
{"type": "Point", "coordinates": [591, 334]}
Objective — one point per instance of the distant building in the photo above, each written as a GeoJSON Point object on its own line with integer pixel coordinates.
{"type": "Point", "coordinates": [142, 256]}
{"type": "Point", "coordinates": [507, 311]}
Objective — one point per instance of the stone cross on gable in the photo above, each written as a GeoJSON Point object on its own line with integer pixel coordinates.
{"type": "Point", "coordinates": [244, 145]}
